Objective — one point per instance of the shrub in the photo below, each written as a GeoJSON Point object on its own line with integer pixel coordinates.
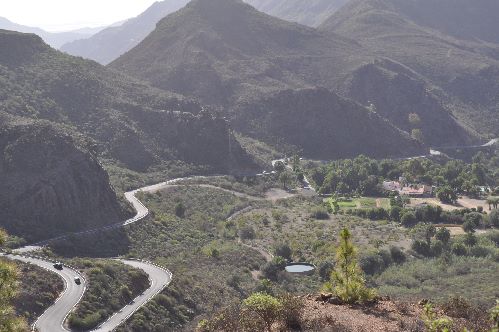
{"type": "Point", "coordinates": [469, 226]}
{"type": "Point", "coordinates": [271, 269]}
{"type": "Point", "coordinates": [395, 213]}
{"type": "Point", "coordinates": [437, 248]}
{"type": "Point", "coordinates": [408, 219]}
{"type": "Point", "coordinates": [452, 218]}
{"type": "Point", "coordinates": [421, 247]}
{"type": "Point", "coordinates": [494, 317]}
{"type": "Point", "coordinates": [180, 210]}
{"type": "Point", "coordinates": [325, 269]}
{"type": "Point", "coordinates": [347, 280]}
{"type": "Point", "coordinates": [319, 213]}
{"type": "Point", "coordinates": [292, 311]}
{"type": "Point", "coordinates": [480, 251]}
{"type": "Point", "coordinates": [228, 320]}
{"type": "Point", "coordinates": [494, 218]}
{"type": "Point", "coordinates": [265, 286]}
{"type": "Point", "coordinates": [474, 217]}
{"type": "Point", "coordinates": [247, 233]}
{"type": "Point", "coordinates": [266, 307]}
{"type": "Point", "coordinates": [87, 323]}
{"type": "Point", "coordinates": [434, 323]}
{"type": "Point", "coordinates": [398, 256]}
{"type": "Point", "coordinates": [283, 250]}
{"type": "Point", "coordinates": [371, 263]}
{"type": "Point", "coordinates": [459, 249]}
{"type": "Point", "coordinates": [443, 234]}
{"type": "Point", "coordinates": [470, 239]}
{"type": "Point", "coordinates": [494, 237]}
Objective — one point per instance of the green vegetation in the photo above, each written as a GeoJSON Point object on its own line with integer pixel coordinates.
{"type": "Point", "coordinates": [210, 268]}
{"type": "Point", "coordinates": [258, 312]}
{"type": "Point", "coordinates": [9, 322]}
{"type": "Point", "coordinates": [434, 323]}
{"type": "Point", "coordinates": [265, 307]}
{"type": "Point", "coordinates": [38, 289]}
{"type": "Point", "coordinates": [422, 46]}
{"type": "Point", "coordinates": [441, 278]}
{"type": "Point", "coordinates": [364, 176]}
{"type": "Point", "coordinates": [60, 115]}
{"type": "Point", "coordinates": [111, 285]}
{"type": "Point", "coordinates": [347, 280]}
{"type": "Point", "coordinates": [494, 317]}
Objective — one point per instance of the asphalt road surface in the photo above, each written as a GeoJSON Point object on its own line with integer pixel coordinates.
{"type": "Point", "coordinates": [52, 320]}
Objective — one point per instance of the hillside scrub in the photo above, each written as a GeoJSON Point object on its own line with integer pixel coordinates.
{"type": "Point", "coordinates": [111, 285]}
{"type": "Point", "coordinates": [210, 267]}
{"type": "Point", "coordinates": [9, 321]}
{"type": "Point", "coordinates": [258, 312]}
{"type": "Point", "coordinates": [35, 296]}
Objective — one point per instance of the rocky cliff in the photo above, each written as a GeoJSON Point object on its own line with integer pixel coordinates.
{"type": "Point", "coordinates": [50, 186]}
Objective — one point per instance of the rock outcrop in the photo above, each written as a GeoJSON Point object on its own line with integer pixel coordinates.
{"type": "Point", "coordinates": [49, 185]}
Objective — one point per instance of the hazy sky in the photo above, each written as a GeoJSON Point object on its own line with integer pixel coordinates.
{"type": "Point", "coordinates": [58, 15]}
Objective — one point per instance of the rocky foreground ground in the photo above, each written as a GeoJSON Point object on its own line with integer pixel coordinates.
{"type": "Point", "coordinates": [321, 314]}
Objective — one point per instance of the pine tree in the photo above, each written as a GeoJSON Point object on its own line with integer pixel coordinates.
{"type": "Point", "coordinates": [347, 279]}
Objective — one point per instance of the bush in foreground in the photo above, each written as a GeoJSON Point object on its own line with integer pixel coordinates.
{"type": "Point", "coordinates": [258, 312]}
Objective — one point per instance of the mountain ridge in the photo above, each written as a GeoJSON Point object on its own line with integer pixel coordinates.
{"type": "Point", "coordinates": [69, 115]}
{"type": "Point", "coordinates": [265, 55]}
{"type": "Point", "coordinates": [463, 72]}
{"type": "Point", "coordinates": [54, 39]}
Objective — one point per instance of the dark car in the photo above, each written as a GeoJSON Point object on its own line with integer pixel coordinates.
{"type": "Point", "coordinates": [58, 265]}
{"type": "Point", "coordinates": [77, 281]}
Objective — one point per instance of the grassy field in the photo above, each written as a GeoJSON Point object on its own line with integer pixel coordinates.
{"type": "Point", "coordinates": [363, 203]}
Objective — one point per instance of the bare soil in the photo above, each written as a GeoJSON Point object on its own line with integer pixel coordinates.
{"type": "Point", "coordinates": [464, 202]}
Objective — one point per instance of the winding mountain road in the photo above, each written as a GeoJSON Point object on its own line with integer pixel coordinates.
{"type": "Point", "coordinates": [159, 279]}
{"type": "Point", "coordinates": [53, 319]}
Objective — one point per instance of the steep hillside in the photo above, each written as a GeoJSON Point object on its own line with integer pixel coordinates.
{"type": "Point", "coordinates": [463, 19]}
{"type": "Point", "coordinates": [110, 43]}
{"type": "Point", "coordinates": [225, 52]}
{"type": "Point", "coordinates": [323, 124]}
{"type": "Point", "coordinates": [49, 185]}
{"type": "Point", "coordinates": [60, 113]}
{"type": "Point", "coordinates": [54, 39]}
{"type": "Point", "coordinates": [310, 12]}
{"type": "Point", "coordinates": [463, 72]}
{"type": "Point", "coordinates": [127, 120]}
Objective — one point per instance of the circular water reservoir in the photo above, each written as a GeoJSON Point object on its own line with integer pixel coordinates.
{"type": "Point", "coordinates": [303, 268]}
